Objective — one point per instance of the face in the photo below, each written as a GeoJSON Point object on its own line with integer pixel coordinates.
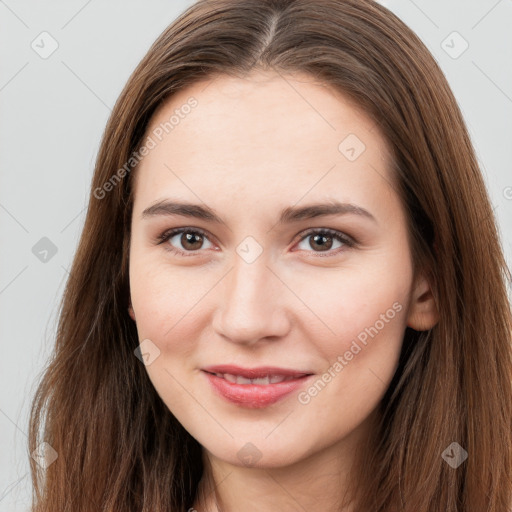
{"type": "Point", "coordinates": [269, 269]}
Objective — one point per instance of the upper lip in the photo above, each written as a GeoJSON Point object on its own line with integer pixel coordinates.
{"type": "Point", "coordinates": [255, 373]}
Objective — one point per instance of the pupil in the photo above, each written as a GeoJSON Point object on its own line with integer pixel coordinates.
{"type": "Point", "coordinates": [323, 238]}
{"type": "Point", "coordinates": [189, 239]}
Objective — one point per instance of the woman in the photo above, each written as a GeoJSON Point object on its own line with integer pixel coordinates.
{"type": "Point", "coordinates": [289, 293]}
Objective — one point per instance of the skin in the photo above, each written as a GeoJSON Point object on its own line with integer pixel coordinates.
{"type": "Point", "coordinates": [251, 147]}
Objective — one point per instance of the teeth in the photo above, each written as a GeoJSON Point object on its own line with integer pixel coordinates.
{"type": "Point", "coordinates": [262, 381]}
{"type": "Point", "coordinates": [243, 380]}
{"type": "Point", "coordinates": [277, 378]}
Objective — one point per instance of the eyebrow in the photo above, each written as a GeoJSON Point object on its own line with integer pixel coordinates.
{"type": "Point", "coordinates": [287, 215]}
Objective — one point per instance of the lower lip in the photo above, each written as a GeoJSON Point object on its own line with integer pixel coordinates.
{"type": "Point", "coordinates": [254, 396]}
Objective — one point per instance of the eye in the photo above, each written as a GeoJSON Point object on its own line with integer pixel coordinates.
{"type": "Point", "coordinates": [188, 240]}
{"type": "Point", "coordinates": [324, 239]}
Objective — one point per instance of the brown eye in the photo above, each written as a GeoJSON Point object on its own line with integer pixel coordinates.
{"type": "Point", "coordinates": [183, 241]}
{"type": "Point", "coordinates": [324, 240]}
{"type": "Point", "coordinates": [191, 241]}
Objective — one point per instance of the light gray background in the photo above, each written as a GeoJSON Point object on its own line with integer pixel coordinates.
{"type": "Point", "coordinates": [54, 111]}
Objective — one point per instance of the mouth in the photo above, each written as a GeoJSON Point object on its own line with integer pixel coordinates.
{"type": "Point", "coordinates": [275, 373]}
{"type": "Point", "coordinates": [254, 387]}
{"type": "Point", "coordinates": [260, 381]}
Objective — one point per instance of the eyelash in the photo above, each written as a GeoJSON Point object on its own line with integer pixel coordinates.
{"type": "Point", "coordinates": [337, 235]}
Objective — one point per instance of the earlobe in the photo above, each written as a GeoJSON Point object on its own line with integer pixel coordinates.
{"type": "Point", "coordinates": [423, 312]}
{"type": "Point", "coordinates": [131, 312]}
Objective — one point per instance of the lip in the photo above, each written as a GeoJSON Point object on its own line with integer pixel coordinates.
{"type": "Point", "coordinates": [254, 396]}
{"type": "Point", "coordinates": [254, 373]}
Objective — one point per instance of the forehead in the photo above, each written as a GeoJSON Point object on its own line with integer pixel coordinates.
{"type": "Point", "coordinates": [265, 134]}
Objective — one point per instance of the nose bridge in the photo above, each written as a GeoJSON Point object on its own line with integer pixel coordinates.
{"type": "Point", "coordinates": [251, 305]}
{"type": "Point", "coordinates": [248, 284]}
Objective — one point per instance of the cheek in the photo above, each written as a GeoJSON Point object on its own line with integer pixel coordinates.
{"type": "Point", "coordinates": [361, 356]}
{"type": "Point", "coordinates": [365, 309]}
{"type": "Point", "coordinates": [167, 301]}
{"type": "Point", "coordinates": [157, 292]}
{"type": "Point", "coordinates": [365, 302]}
{"type": "Point", "coordinates": [166, 307]}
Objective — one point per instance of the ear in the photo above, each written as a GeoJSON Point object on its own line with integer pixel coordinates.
{"type": "Point", "coordinates": [423, 313]}
{"type": "Point", "coordinates": [131, 312]}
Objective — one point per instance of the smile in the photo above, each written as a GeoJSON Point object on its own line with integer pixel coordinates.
{"type": "Point", "coordinates": [254, 393]}
{"type": "Point", "coordinates": [261, 381]}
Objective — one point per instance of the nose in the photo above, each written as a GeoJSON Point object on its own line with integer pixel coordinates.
{"type": "Point", "coordinates": [252, 304]}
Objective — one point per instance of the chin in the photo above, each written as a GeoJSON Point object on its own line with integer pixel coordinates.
{"type": "Point", "coordinates": [257, 455]}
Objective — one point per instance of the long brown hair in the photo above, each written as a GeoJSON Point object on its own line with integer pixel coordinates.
{"type": "Point", "coordinates": [120, 449]}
